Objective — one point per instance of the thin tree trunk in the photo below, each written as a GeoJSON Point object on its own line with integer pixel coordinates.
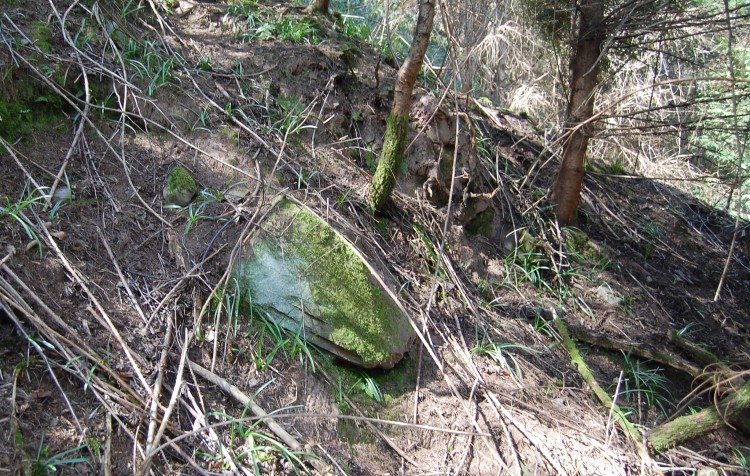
{"type": "Point", "coordinates": [397, 128]}
{"type": "Point", "coordinates": [584, 66]}
{"type": "Point", "coordinates": [318, 6]}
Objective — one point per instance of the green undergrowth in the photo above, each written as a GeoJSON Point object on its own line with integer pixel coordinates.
{"type": "Point", "coordinates": [582, 250]}
{"type": "Point", "coordinates": [34, 80]}
{"type": "Point", "coordinates": [377, 393]}
{"type": "Point", "coordinates": [254, 22]}
{"type": "Point", "coordinates": [27, 105]}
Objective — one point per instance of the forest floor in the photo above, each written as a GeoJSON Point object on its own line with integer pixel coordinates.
{"type": "Point", "coordinates": [116, 291]}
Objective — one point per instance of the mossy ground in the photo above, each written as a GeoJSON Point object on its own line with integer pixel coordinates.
{"type": "Point", "coordinates": [28, 104]}
{"type": "Point", "coordinates": [394, 385]}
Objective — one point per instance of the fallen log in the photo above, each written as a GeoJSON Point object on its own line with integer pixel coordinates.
{"type": "Point", "coordinates": [639, 350]}
{"type": "Point", "coordinates": [604, 398]}
{"type": "Point", "coordinates": [732, 410]}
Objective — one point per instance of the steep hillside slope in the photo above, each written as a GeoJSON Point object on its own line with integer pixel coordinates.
{"type": "Point", "coordinates": [110, 298]}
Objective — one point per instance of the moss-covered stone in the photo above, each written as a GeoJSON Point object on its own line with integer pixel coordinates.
{"type": "Point", "coordinates": [180, 187]}
{"type": "Point", "coordinates": [301, 272]}
{"type": "Point", "coordinates": [580, 247]}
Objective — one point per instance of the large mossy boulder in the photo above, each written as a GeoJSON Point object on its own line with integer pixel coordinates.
{"type": "Point", "coordinates": [305, 277]}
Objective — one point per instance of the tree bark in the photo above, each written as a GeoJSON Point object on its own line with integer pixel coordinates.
{"type": "Point", "coordinates": [584, 68]}
{"type": "Point", "coordinates": [394, 145]}
{"type": "Point", "coordinates": [321, 6]}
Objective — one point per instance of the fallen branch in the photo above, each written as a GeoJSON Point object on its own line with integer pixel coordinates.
{"type": "Point", "coordinates": [728, 411]}
{"type": "Point", "coordinates": [604, 398]}
{"type": "Point", "coordinates": [701, 355]}
{"type": "Point", "coordinates": [606, 342]}
{"type": "Point", "coordinates": [161, 370]}
{"type": "Point", "coordinates": [177, 389]}
{"type": "Point", "coordinates": [123, 281]}
{"type": "Point", "coordinates": [238, 395]}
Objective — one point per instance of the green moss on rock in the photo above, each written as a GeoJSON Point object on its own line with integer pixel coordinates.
{"type": "Point", "coordinates": [339, 299]}
{"type": "Point", "coordinates": [180, 187]}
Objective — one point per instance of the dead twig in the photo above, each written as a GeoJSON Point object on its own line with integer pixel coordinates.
{"type": "Point", "coordinates": [61, 340]}
{"type": "Point", "coordinates": [172, 403]}
{"type": "Point", "coordinates": [121, 276]}
{"type": "Point", "coordinates": [240, 396]}
{"type": "Point", "coordinates": [162, 368]}
{"type": "Point", "coordinates": [508, 437]}
{"type": "Point", "coordinates": [189, 274]}
{"type": "Point", "coordinates": [11, 254]}
{"type": "Point", "coordinates": [200, 422]}
{"type": "Point", "coordinates": [246, 401]}
{"type": "Point", "coordinates": [372, 427]}
{"type": "Point", "coordinates": [107, 456]}
{"type": "Point", "coordinates": [100, 314]}
{"type": "Point", "coordinates": [539, 447]}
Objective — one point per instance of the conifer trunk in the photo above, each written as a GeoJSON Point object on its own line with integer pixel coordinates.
{"type": "Point", "coordinates": [584, 68]}
{"type": "Point", "coordinates": [321, 6]}
{"type": "Point", "coordinates": [394, 145]}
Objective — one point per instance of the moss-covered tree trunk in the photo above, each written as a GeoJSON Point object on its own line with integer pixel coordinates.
{"type": "Point", "coordinates": [584, 68]}
{"type": "Point", "coordinates": [732, 410]}
{"type": "Point", "coordinates": [321, 6]}
{"type": "Point", "coordinates": [394, 145]}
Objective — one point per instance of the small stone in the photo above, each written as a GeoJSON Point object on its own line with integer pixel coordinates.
{"type": "Point", "coordinates": [180, 187]}
{"type": "Point", "coordinates": [237, 192]}
{"type": "Point", "coordinates": [558, 402]}
{"type": "Point", "coordinates": [62, 194]}
{"type": "Point", "coordinates": [607, 295]}
{"type": "Point", "coordinates": [707, 471]}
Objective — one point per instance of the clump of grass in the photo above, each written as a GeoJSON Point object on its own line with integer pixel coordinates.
{"type": "Point", "coordinates": [44, 465]}
{"type": "Point", "coordinates": [368, 386]}
{"type": "Point", "coordinates": [247, 446]}
{"type": "Point", "coordinates": [260, 24]}
{"type": "Point", "coordinates": [504, 355]}
{"type": "Point", "coordinates": [644, 387]}
{"type": "Point", "coordinates": [14, 211]}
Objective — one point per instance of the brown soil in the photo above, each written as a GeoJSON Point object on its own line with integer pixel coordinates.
{"type": "Point", "coordinates": [118, 270]}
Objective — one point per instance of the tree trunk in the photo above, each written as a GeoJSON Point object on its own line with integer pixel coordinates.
{"type": "Point", "coordinates": [732, 410]}
{"type": "Point", "coordinates": [394, 145]}
{"type": "Point", "coordinates": [318, 6]}
{"type": "Point", "coordinates": [584, 67]}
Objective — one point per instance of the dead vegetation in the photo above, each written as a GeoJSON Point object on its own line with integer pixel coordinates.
{"type": "Point", "coordinates": [124, 346]}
